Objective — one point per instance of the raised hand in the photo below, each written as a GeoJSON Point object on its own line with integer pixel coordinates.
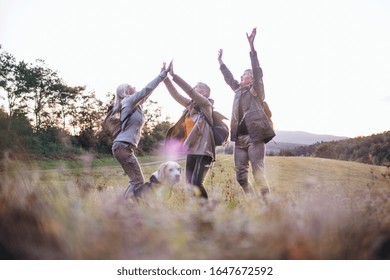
{"type": "Point", "coordinates": [170, 68]}
{"type": "Point", "coordinates": [220, 53]}
{"type": "Point", "coordinates": [163, 68]}
{"type": "Point", "coordinates": [251, 38]}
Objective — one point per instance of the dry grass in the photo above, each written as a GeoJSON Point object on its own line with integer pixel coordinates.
{"type": "Point", "coordinates": [319, 209]}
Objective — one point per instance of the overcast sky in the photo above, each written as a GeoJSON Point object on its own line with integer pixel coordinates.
{"type": "Point", "coordinates": [326, 64]}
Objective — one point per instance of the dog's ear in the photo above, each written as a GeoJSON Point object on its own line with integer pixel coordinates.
{"type": "Point", "coordinates": [161, 172]}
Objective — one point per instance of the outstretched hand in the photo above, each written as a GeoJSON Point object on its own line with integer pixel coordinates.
{"type": "Point", "coordinates": [170, 68]}
{"type": "Point", "coordinates": [220, 53]}
{"type": "Point", "coordinates": [163, 68]}
{"type": "Point", "coordinates": [251, 38]}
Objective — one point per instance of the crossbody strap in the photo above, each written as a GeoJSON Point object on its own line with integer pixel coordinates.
{"type": "Point", "coordinates": [203, 116]}
{"type": "Point", "coordinates": [127, 117]}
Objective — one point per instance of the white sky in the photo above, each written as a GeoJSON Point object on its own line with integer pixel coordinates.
{"type": "Point", "coordinates": [326, 63]}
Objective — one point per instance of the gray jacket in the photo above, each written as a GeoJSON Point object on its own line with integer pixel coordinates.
{"type": "Point", "coordinates": [131, 105]}
{"type": "Point", "coordinates": [200, 140]}
{"type": "Point", "coordinates": [257, 122]}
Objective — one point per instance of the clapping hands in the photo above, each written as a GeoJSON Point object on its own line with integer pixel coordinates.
{"type": "Point", "coordinates": [169, 69]}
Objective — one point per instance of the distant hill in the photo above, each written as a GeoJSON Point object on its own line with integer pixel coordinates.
{"type": "Point", "coordinates": [286, 140]}
{"type": "Point", "coordinates": [304, 138]}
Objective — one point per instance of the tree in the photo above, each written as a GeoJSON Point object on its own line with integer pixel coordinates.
{"type": "Point", "coordinates": [7, 78]}
{"type": "Point", "coordinates": [150, 136]}
{"type": "Point", "coordinates": [324, 150]}
{"type": "Point", "coordinates": [90, 113]}
{"type": "Point", "coordinates": [87, 118]}
{"type": "Point", "coordinates": [64, 100]}
{"type": "Point", "coordinates": [43, 80]}
{"type": "Point", "coordinates": [152, 114]}
{"type": "Point", "coordinates": [20, 134]}
{"type": "Point", "coordinates": [286, 153]}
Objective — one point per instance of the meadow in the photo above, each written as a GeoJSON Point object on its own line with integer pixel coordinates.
{"type": "Point", "coordinates": [318, 209]}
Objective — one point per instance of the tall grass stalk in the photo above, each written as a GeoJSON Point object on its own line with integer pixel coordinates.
{"type": "Point", "coordinates": [317, 210]}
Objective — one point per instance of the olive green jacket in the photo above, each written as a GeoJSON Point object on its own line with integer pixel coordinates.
{"type": "Point", "coordinates": [259, 125]}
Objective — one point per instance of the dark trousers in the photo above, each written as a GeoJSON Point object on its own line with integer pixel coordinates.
{"type": "Point", "coordinates": [197, 167]}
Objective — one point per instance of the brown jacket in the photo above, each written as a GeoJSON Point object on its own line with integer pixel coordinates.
{"type": "Point", "coordinates": [200, 140]}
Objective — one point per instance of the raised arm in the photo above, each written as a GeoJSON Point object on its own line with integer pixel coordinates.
{"type": "Point", "coordinates": [258, 85]}
{"type": "Point", "coordinates": [227, 75]}
{"type": "Point", "coordinates": [141, 96]}
{"type": "Point", "coordinates": [251, 39]}
{"type": "Point", "coordinates": [220, 54]}
{"type": "Point", "coordinates": [184, 101]}
{"type": "Point", "coordinates": [190, 91]}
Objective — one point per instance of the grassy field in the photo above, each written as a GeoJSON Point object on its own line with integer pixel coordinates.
{"type": "Point", "coordinates": [318, 209]}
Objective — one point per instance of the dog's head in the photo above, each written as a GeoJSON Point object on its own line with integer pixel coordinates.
{"type": "Point", "coordinates": [168, 174]}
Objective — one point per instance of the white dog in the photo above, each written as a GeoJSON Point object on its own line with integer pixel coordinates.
{"type": "Point", "coordinates": [162, 181]}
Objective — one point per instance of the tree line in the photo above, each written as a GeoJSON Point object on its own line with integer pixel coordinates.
{"type": "Point", "coordinates": [44, 117]}
{"type": "Point", "coordinates": [374, 149]}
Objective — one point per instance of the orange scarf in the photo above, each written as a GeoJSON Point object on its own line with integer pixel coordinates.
{"type": "Point", "coordinates": [188, 125]}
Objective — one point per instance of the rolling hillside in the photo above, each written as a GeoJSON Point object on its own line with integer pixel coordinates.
{"type": "Point", "coordinates": [373, 149]}
{"type": "Point", "coordinates": [290, 174]}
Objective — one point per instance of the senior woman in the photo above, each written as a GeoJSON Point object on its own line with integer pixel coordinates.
{"type": "Point", "coordinates": [197, 136]}
{"type": "Point", "coordinates": [128, 103]}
